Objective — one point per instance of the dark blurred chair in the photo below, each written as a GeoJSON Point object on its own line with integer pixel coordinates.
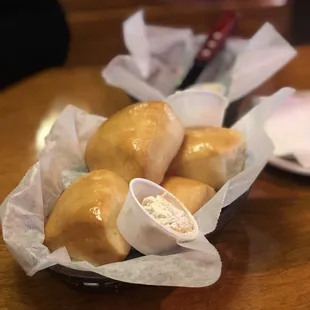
{"type": "Point", "coordinates": [33, 36]}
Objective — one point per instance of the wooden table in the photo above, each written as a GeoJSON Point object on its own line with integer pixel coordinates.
{"type": "Point", "coordinates": [265, 249]}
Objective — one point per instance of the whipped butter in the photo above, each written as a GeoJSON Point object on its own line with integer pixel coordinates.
{"type": "Point", "coordinates": [167, 214]}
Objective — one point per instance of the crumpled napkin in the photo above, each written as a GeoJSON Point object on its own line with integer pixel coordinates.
{"type": "Point", "coordinates": [289, 128]}
{"type": "Point", "coordinates": [160, 57]}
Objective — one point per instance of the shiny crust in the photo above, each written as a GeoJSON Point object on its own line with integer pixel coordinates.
{"type": "Point", "coordinates": [138, 141]}
{"type": "Point", "coordinates": [193, 194]}
{"type": "Point", "coordinates": [84, 219]}
{"type": "Point", "coordinates": [211, 155]}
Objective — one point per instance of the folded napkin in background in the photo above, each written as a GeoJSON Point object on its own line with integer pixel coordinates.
{"type": "Point", "coordinates": [289, 128]}
{"type": "Point", "coordinates": [160, 57]}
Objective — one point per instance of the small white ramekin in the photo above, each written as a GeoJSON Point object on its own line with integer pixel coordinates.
{"type": "Point", "coordinates": [141, 230]}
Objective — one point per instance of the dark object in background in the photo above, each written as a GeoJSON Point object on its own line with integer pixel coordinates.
{"type": "Point", "coordinates": [33, 35]}
{"type": "Point", "coordinates": [300, 22]}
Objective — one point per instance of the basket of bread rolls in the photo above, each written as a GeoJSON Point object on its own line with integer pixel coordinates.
{"type": "Point", "coordinates": [135, 198]}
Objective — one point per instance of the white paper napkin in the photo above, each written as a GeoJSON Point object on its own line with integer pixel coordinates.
{"type": "Point", "coordinates": [264, 54]}
{"type": "Point", "coordinates": [160, 57]}
{"type": "Point", "coordinates": [289, 128]}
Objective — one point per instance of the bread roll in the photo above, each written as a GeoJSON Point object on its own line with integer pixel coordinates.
{"type": "Point", "coordinates": [84, 219]}
{"type": "Point", "coordinates": [193, 194]}
{"type": "Point", "coordinates": [211, 155]}
{"type": "Point", "coordinates": [138, 141]}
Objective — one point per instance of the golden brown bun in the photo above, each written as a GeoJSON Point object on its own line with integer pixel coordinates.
{"type": "Point", "coordinates": [84, 219]}
{"type": "Point", "coordinates": [211, 155]}
{"type": "Point", "coordinates": [138, 141]}
{"type": "Point", "coordinates": [193, 194]}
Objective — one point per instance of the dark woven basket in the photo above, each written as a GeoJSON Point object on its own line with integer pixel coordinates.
{"type": "Point", "coordinates": [89, 281]}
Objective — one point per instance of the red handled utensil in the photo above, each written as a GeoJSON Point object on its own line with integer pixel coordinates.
{"type": "Point", "coordinates": [215, 41]}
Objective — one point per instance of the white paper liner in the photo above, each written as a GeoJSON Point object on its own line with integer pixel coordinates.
{"type": "Point", "coordinates": [264, 55]}
{"type": "Point", "coordinates": [161, 56]}
{"type": "Point", "coordinates": [195, 264]}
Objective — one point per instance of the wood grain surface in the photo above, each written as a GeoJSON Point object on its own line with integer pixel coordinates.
{"type": "Point", "coordinates": [265, 249]}
{"type": "Point", "coordinates": [96, 25]}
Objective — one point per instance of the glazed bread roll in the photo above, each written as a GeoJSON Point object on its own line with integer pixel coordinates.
{"type": "Point", "coordinates": [138, 141]}
{"type": "Point", "coordinates": [193, 194]}
{"type": "Point", "coordinates": [84, 219]}
{"type": "Point", "coordinates": [211, 155]}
